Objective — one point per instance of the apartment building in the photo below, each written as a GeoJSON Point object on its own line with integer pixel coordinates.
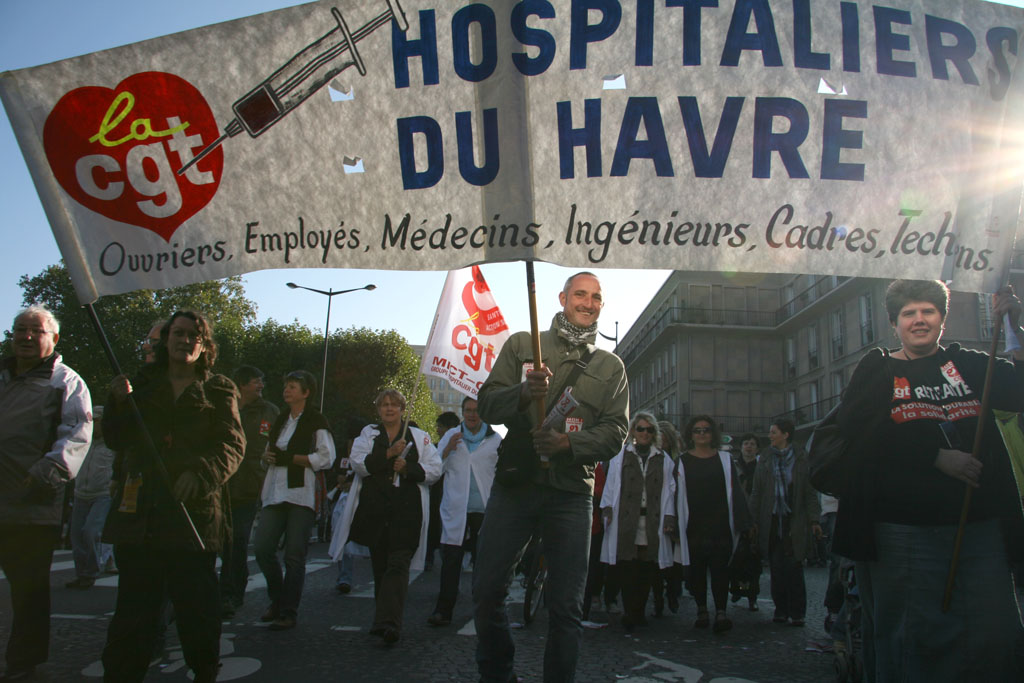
{"type": "Point", "coordinates": [747, 348]}
{"type": "Point", "coordinates": [444, 395]}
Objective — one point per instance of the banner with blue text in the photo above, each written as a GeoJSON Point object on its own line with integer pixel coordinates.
{"type": "Point", "coordinates": [846, 138]}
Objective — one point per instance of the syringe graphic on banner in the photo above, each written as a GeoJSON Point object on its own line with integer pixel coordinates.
{"type": "Point", "coordinates": [301, 76]}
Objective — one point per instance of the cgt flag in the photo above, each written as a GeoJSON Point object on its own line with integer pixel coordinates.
{"type": "Point", "coordinates": [467, 334]}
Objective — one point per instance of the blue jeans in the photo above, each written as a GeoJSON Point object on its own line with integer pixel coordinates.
{"type": "Point", "coordinates": [907, 637]}
{"type": "Point", "coordinates": [344, 570]}
{"type": "Point", "coordinates": [293, 522]}
{"type": "Point", "coordinates": [87, 518]}
{"type": "Point", "coordinates": [513, 516]}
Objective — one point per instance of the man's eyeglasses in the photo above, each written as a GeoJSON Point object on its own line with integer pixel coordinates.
{"type": "Point", "coordinates": [643, 430]}
{"type": "Point", "coordinates": [702, 430]}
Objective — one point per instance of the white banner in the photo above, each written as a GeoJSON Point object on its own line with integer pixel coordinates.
{"type": "Point", "coordinates": [467, 334]}
{"type": "Point", "coordinates": [844, 138]}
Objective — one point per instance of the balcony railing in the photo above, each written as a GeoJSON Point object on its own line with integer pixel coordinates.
{"type": "Point", "coordinates": [822, 286]}
{"type": "Point", "coordinates": [696, 316]}
{"type": "Point", "coordinates": [810, 413]}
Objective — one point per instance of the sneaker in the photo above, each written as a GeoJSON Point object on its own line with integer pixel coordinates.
{"type": "Point", "coordinates": [343, 588]}
{"type": "Point", "coordinates": [438, 619]}
{"type": "Point", "coordinates": [796, 622]}
{"type": "Point", "coordinates": [81, 583]}
{"type": "Point", "coordinates": [390, 635]}
{"type": "Point", "coordinates": [110, 567]}
{"type": "Point", "coordinates": [271, 614]}
{"type": "Point", "coordinates": [722, 623]}
{"type": "Point", "coordinates": [283, 623]}
{"type": "Point", "coordinates": [703, 620]}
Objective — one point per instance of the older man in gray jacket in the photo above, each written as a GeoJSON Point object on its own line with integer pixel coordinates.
{"type": "Point", "coordinates": [44, 436]}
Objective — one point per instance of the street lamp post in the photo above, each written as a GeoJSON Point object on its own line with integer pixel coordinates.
{"type": "Point", "coordinates": [330, 294]}
{"type": "Point", "coordinates": [615, 338]}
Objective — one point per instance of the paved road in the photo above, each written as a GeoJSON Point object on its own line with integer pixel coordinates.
{"type": "Point", "coordinates": [331, 641]}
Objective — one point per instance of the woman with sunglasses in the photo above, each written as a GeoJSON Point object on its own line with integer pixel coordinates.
{"type": "Point", "coordinates": [712, 508]}
{"type": "Point", "coordinates": [637, 506]}
{"type": "Point", "coordinates": [300, 444]}
{"type": "Point", "coordinates": [786, 513]}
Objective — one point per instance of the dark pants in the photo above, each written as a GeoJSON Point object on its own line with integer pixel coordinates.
{"type": "Point", "coordinates": [25, 554]}
{"type": "Point", "coordinates": [434, 521]}
{"type": "Point", "coordinates": [787, 581]}
{"type": "Point", "coordinates": [596, 572]}
{"type": "Point", "coordinates": [513, 516]}
{"type": "Point", "coordinates": [709, 556]}
{"type": "Point", "coordinates": [190, 578]}
{"type": "Point", "coordinates": [390, 582]}
{"type": "Point", "coordinates": [234, 560]}
{"type": "Point", "coordinates": [638, 578]}
{"type": "Point", "coordinates": [451, 565]}
{"type": "Point", "coordinates": [294, 522]}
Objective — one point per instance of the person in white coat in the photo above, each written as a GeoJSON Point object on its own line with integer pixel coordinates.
{"type": "Point", "coordinates": [469, 454]}
{"type": "Point", "coordinates": [388, 507]}
{"type": "Point", "coordinates": [712, 510]}
{"type": "Point", "coordinates": [638, 507]}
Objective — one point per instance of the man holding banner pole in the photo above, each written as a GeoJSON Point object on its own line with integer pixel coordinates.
{"type": "Point", "coordinates": [545, 474]}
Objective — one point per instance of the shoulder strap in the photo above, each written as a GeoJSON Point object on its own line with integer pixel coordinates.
{"type": "Point", "coordinates": [578, 367]}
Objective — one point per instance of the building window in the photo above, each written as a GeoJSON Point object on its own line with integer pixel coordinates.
{"type": "Point", "coordinates": [837, 328]}
{"type": "Point", "coordinates": [867, 325]}
{"type": "Point", "coordinates": [814, 400]}
{"type": "Point", "coordinates": [791, 401]}
{"type": "Point", "coordinates": [787, 301]}
{"type": "Point", "coordinates": [790, 357]}
{"type": "Point", "coordinates": [837, 385]}
{"type": "Point", "coordinates": [812, 346]}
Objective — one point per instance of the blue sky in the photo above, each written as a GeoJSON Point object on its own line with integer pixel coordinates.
{"type": "Point", "coordinates": [34, 32]}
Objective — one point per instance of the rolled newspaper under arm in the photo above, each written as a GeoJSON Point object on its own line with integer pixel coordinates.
{"type": "Point", "coordinates": [563, 407]}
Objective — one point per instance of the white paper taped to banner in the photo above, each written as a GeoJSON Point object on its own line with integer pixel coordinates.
{"type": "Point", "coordinates": [839, 138]}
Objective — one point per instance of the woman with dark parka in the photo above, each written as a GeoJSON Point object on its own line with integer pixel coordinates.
{"type": "Point", "coordinates": [911, 417]}
{"type": "Point", "coordinates": [192, 418]}
{"type": "Point", "coordinates": [786, 516]}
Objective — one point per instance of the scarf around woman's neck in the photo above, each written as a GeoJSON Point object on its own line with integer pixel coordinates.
{"type": "Point", "coordinates": [473, 440]}
{"type": "Point", "coordinates": [783, 471]}
{"type": "Point", "coordinates": [575, 334]}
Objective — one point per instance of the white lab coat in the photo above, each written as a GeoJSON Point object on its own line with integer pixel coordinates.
{"type": "Point", "coordinates": [457, 469]}
{"type": "Point", "coordinates": [610, 498]}
{"type": "Point", "coordinates": [682, 552]}
{"type": "Point", "coordinates": [361, 447]}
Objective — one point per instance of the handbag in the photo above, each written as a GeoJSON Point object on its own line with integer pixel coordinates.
{"type": "Point", "coordinates": [518, 462]}
{"type": "Point", "coordinates": [829, 452]}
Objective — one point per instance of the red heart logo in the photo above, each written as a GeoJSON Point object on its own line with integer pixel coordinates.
{"type": "Point", "coordinates": [117, 152]}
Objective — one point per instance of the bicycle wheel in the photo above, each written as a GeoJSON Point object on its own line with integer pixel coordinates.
{"type": "Point", "coordinates": [534, 588]}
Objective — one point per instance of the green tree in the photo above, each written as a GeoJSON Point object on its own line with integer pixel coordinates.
{"type": "Point", "coordinates": [362, 362]}
{"type": "Point", "coordinates": [126, 319]}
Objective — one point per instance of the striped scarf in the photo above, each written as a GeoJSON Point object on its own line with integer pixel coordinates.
{"type": "Point", "coordinates": [782, 462]}
{"type": "Point", "coordinates": [575, 334]}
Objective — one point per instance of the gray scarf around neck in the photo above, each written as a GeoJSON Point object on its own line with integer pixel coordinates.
{"type": "Point", "coordinates": [574, 334]}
